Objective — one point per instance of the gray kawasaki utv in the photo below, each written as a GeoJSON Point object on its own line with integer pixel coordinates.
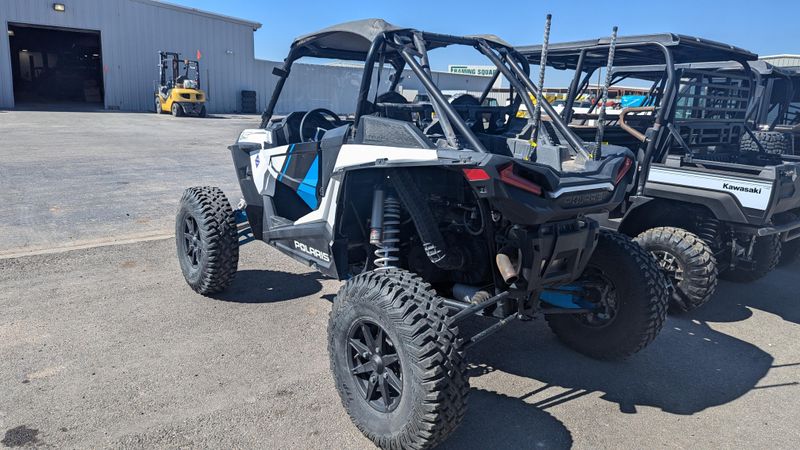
{"type": "Point", "coordinates": [430, 213]}
{"type": "Point", "coordinates": [702, 205]}
{"type": "Point", "coordinates": [773, 115]}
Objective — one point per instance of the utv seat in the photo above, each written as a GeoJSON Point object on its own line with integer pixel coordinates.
{"type": "Point", "coordinates": [389, 113]}
{"type": "Point", "coordinates": [463, 103]}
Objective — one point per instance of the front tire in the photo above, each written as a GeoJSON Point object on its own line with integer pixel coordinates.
{"type": "Point", "coordinates": [766, 255]}
{"type": "Point", "coordinates": [409, 388]}
{"type": "Point", "coordinates": [207, 240]}
{"type": "Point", "coordinates": [203, 113]}
{"type": "Point", "coordinates": [158, 107]}
{"type": "Point", "coordinates": [633, 294]}
{"type": "Point", "coordinates": [687, 261]}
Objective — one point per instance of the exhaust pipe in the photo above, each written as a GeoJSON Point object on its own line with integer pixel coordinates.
{"type": "Point", "coordinates": [508, 270]}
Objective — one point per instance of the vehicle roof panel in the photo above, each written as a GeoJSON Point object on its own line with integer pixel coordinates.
{"type": "Point", "coordinates": [637, 51]}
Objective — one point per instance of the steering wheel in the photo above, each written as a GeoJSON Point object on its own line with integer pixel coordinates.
{"type": "Point", "coordinates": [320, 114]}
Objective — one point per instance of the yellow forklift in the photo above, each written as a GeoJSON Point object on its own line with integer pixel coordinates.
{"type": "Point", "coordinates": [179, 87]}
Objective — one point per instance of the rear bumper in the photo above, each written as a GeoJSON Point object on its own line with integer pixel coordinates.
{"type": "Point", "coordinates": [557, 252]}
{"type": "Point", "coordinates": [192, 108]}
{"type": "Point", "coordinates": [790, 231]}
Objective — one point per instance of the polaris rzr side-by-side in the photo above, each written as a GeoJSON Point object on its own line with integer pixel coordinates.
{"type": "Point", "coordinates": [430, 212]}
{"type": "Point", "coordinates": [701, 204]}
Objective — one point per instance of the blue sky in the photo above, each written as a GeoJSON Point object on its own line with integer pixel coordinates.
{"type": "Point", "coordinates": [764, 27]}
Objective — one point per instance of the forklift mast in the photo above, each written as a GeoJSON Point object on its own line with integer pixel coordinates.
{"type": "Point", "coordinates": [171, 62]}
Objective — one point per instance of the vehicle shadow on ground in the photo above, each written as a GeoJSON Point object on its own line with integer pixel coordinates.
{"type": "Point", "coordinates": [689, 368]}
{"type": "Point", "coordinates": [268, 286]}
{"type": "Point", "coordinates": [778, 293]}
{"type": "Point", "coordinates": [495, 420]}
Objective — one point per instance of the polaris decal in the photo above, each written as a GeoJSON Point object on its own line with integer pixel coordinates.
{"type": "Point", "coordinates": [752, 194]}
{"type": "Point", "coordinates": [311, 251]}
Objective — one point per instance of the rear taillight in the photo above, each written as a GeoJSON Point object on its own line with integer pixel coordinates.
{"type": "Point", "coordinates": [508, 176]}
{"type": "Point", "coordinates": [623, 170]}
{"type": "Point", "coordinates": [476, 174]}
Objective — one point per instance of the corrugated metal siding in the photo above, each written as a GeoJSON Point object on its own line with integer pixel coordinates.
{"type": "Point", "coordinates": [132, 33]}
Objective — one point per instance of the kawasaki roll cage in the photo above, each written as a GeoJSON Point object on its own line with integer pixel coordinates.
{"type": "Point", "coordinates": [767, 78]}
{"type": "Point", "coordinates": [376, 42]}
{"type": "Point", "coordinates": [666, 50]}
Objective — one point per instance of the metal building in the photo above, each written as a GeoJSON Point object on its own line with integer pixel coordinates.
{"type": "Point", "coordinates": [104, 52]}
{"type": "Point", "coordinates": [784, 60]}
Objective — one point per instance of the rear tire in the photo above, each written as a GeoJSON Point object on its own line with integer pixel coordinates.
{"type": "Point", "coordinates": [766, 254]}
{"type": "Point", "coordinates": [790, 250]}
{"type": "Point", "coordinates": [207, 240]}
{"type": "Point", "coordinates": [633, 282]}
{"type": "Point", "coordinates": [427, 389]}
{"type": "Point", "coordinates": [177, 110]}
{"type": "Point", "coordinates": [773, 142]}
{"type": "Point", "coordinates": [687, 261]}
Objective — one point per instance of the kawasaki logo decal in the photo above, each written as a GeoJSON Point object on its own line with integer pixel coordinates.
{"type": "Point", "coordinates": [731, 187]}
{"type": "Point", "coordinates": [754, 194]}
{"type": "Point", "coordinates": [322, 256]}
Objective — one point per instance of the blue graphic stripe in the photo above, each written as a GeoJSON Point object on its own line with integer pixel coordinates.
{"type": "Point", "coordinates": [308, 187]}
{"type": "Point", "coordinates": [286, 164]}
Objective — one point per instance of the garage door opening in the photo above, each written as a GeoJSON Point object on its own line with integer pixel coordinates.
{"type": "Point", "coordinates": [56, 68]}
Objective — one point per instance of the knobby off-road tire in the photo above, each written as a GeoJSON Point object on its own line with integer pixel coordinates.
{"type": "Point", "coordinates": [639, 290]}
{"type": "Point", "coordinates": [790, 250]}
{"type": "Point", "coordinates": [430, 365]}
{"type": "Point", "coordinates": [766, 254]}
{"type": "Point", "coordinates": [207, 239]}
{"type": "Point", "coordinates": [686, 260]}
{"type": "Point", "coordinates": [773, 142]}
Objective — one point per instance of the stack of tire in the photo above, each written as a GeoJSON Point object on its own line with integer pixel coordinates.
{"type": "Point", "coordinates": [772, 141]}
{"type": "Point", "coordinates": [249, 102]}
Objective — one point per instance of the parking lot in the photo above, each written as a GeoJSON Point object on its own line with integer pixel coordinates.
{"type": "Point", "coordinates": [103, 345]}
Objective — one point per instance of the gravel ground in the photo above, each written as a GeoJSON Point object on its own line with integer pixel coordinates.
{"type": "Point", "coordinates": [107, 347]}
{"type": "Point", "coordinates": [82, 177]}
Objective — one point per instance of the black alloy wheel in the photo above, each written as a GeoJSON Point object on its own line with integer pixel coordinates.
{"type": "Point", "coordinates": [375, 365]}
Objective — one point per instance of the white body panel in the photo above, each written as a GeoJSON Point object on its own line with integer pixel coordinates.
{"type": "Point", "coordinates": [267, 163]}
{"type": "Point", "coordinates": [750, 193]}
{"type": "Point", "coordinates": [356, 154]}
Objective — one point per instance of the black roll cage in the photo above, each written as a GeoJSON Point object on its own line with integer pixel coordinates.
{"type": "Point", "coordinates": [403, 48]}
{"type": "Point", "coordinates": [765, 81]}
{"type": "Point", "coordinates": [669, 87]}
